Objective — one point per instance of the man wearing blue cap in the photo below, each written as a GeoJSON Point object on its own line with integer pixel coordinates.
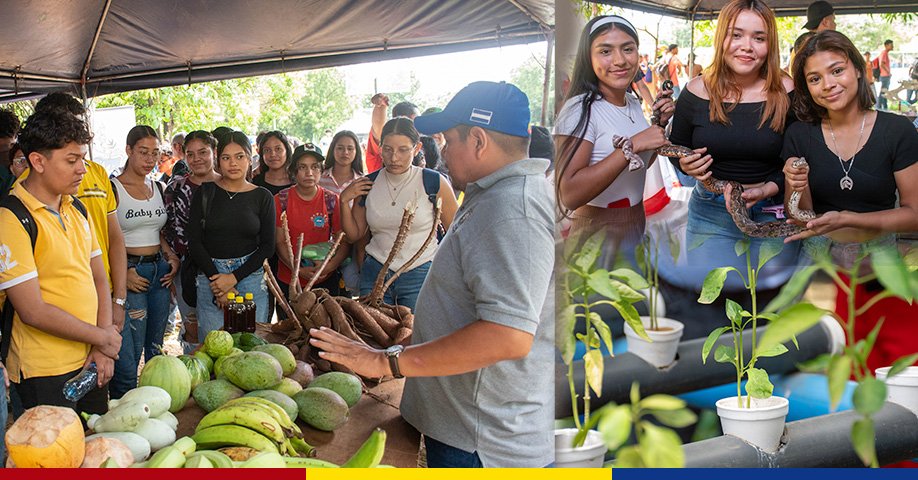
{"type": "Point", "coordinates": [480, 366]}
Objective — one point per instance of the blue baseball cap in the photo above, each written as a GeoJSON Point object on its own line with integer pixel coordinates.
{"type": "Point", "coordinates": [501, 107]}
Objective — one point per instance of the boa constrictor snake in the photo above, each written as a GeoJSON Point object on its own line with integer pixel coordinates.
{"type": "Point", "coordinates": [737, 210]}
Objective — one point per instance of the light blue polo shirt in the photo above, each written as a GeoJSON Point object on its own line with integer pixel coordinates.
{"type": "Point", "coordinates": [494, 264]}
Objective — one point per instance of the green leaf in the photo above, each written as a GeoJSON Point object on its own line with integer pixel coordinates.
{"type": "Point", "coordinates": [790, 322]}
{"type": "Point", "coordinates": [626, 293]}
{"type": "Point", "coordinates": [660, 447]}
{"type": "Point", "coordinates": [628, 457]}
{"type": "Point", "coordinates": [741, 246]}
{"type": "Point", "coordinates": [771, 352]}
{"type": "Point", "coordinates": [662, 402]}
{"type": "Point", "coordinates": [675, 418]}
{"type": "Point", "coordinates": [724, 354]}
{"type": "Point", "coordinates": [820, 364]}
{"type": "Point", "coordinates": [901, 364]}
{"type": "Point", "coordinates": [863, 440]}
{"type": "Point", "coordinates": [641, 256]}
{"type": "Point", "coordinates": [697, 241]}
{"type": "Point", "coordinates": [587, 426]}
{"type": "Point", "coordinates": [713, 284]}
{"type": "Point", "coordinates": [758, 385]}
{"type": "Point", "coordinates": [564, 329]}
{"type": "Point", "coordinates": [793, 289]}
{"type": "Point", "coordinates": [869, 396]}
{"type": "Point", "coordinates": [891, 271]}
{"type": "Point", "coordinates": [768, 250]}
{"type": "Point", "coordinates": [838, 372]}
{"type": "Point", "coordinates": [630, 277]}
{"type": "Point", "coordinates": [605, 333]}
{"type": "Point", "coordinates": [594, 341]}
{"type": "Point", "coordinates": [766, 316]}
{"type": "Point", "coordinates": [635, 393]}
{"type": "Point", "coordinates": [600, 283]}
{"type": "Point", "coordinates": [631, 316]}
{"type": "Point", "coordinates": [590, 250]}
{"type": "Point", "coordinates": [735, 313]}
{"type": "Point", "coordinates": [871, 338]}
{"type": "Point", "coordinates": [674, 247]}
{"type": "Point", "coordinates": [615, 426]}
{"type": "Point", "coordinates": [592, 368]}
{"type": "Point", "coordinates": [709, 343]}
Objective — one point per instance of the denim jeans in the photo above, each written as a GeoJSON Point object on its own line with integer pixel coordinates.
{"type": "Point", "coordinates": [441, 455]}
{"type": "Point", "coordinates": [405, 289]}
{"type": "Point", "coordinates": [884, 86]}
{"type": "Point", "coordinates": [710, 239]}
{"type": "Point", "coordinates": [146, 315]}
{"type": "Point", "coordinates": [210, 316]}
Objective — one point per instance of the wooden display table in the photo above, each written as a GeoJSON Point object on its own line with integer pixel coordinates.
{"type": "Point", "coordinates": [378, 408]}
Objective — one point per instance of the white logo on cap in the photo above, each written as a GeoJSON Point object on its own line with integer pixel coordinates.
{"type": "Point", "coordinates": [481, 116]}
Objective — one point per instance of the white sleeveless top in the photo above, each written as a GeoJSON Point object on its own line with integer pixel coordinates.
{"type": "Point", "coordinates": [140, 220]}
{"type": "Point", "coordinates": [384, 218]}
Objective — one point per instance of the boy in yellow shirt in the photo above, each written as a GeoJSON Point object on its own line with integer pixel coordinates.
{"type": "Point", "coordinates": [58, 288]}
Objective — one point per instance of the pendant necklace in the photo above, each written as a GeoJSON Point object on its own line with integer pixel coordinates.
{"type": "Point", "coordinates": [228, 194]}
{"type": "Point", "coordinates": [624, 111]}
{"type": "Point", "coordinates": [846, 182]}
{"type": "Point", "coordinates": [397, 188]}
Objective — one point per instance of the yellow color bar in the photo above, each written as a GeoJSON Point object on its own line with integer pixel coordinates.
{"type": "Point", "coordinates": [460, 474]}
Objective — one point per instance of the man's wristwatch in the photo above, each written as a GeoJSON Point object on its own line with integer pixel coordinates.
{"type": "Point", "coordinates": [392, 354]}
{"type": "Point", "coordinates": [121, 302]}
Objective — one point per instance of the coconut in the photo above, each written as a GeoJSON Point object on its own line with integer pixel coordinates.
{"type": "Point", "coordinates": [100, 449]}
{"type": "Point", "coordinates": [46, 437]}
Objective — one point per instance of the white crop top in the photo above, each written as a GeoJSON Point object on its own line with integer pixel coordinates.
{"type": "Point", "coordinates": [140, 220]}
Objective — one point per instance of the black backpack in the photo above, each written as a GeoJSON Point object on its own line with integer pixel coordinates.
{"type": "Point", "coordinates": [188, 272]}
{"type": "Point", "coordinates": [14, 204]}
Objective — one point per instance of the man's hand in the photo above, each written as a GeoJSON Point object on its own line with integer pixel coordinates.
{"type": "Point", "coordinates": [105, 365]}
{"type": "Point", "coordinates": [112, 344]}
{"type": "Point", "coordinates": [359, 357]}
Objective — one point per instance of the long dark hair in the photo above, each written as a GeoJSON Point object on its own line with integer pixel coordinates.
{"type": "Point", "coordinates": [357, 164]}
{"type": "Point", "coordinates": [263, 138]}
{"type": "Point", "coordinates": [400, 126]}
{"type": "Point", "coordinates": [239, 138]}
{"type": "Point", "coordinates": [584, 82]}
{"type": "Point", "coordinates": [138, 133]}
{"type": "Point", "coordinates": [805, 107]}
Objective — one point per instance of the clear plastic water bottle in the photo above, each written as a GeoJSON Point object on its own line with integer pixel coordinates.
{"type": "Point", "coordinates": [78, 386]}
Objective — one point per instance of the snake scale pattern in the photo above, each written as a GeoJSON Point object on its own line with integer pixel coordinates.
{"type": "Point", "coordinates": [738, 210]}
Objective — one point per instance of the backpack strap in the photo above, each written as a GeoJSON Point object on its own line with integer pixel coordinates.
{"type": "Point", "coordinates": [282, 196]}
{"type": "Point", "coordinates": [373, 176]}
{"type": "Point", "coordinates": [15, 205]}
{"type": "Point", "coordinates": [159, 186]}
{"type": "Point", "coordinates": [431, 179]}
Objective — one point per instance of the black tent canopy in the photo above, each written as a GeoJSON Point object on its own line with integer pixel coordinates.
{"type": "Point", "coordinates": [706, 9]}
{"type": "Point", "coordinates": [94, 47]}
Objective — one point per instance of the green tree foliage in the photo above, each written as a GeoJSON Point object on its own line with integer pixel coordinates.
{"type": "Point", "coordinates": [530, 77]}
{"type": "Point", "coordinates": [325, 106]}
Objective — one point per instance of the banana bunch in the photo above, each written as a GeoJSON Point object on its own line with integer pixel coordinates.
{"type": "Point", "coordinates": [369, 455]}
{"type": "Point", "coordinates": [252, 422]}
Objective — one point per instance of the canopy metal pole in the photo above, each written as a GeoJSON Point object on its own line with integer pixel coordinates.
{"type": "Point", "coordinates": [547, 78]}
{"type": "Point", "coordinates": [95, 41]}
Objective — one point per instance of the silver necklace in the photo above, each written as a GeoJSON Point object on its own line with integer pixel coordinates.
{"type": "Point", "coordinates": [846, 183]}
{"type": "Point", "coordinates": [230, 195]}
{"type": "Point", "coordinates": [624, 111]}
{"type": "Point", "coordinates": [397, 188]}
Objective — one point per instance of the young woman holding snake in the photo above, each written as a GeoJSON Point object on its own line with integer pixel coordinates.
{"type": "Point", "coordinates": [858, 159]}
{"type": "Point", "coordinates": [597, 184]}
{"type": "Point", "coordinates": [734, 116]}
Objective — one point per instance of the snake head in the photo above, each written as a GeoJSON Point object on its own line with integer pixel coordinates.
{"type": "Point", "coordinates": [800, 163]}
{"type": "Point", "coordinates": [667, 85]}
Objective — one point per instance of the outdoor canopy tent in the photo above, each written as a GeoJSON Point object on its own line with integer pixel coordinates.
{"type": "Point", "coordinates": [706, 9]}
{"type": "Point", "coordinates": [95, 47]}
